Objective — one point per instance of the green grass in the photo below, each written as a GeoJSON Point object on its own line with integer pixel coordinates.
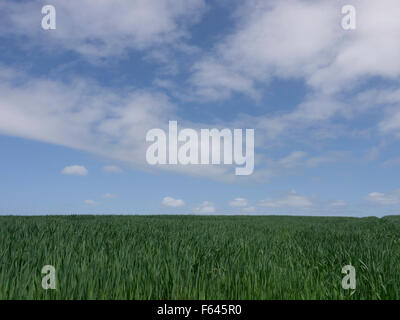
{"type": "Point", "coordinates": [187, 257]}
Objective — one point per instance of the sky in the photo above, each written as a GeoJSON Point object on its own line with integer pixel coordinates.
{"type": "Point", "coordinates": [76, 103]}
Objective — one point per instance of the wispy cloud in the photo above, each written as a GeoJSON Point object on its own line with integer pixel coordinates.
{"type": "Point", "coordinates": [101, 29]}
{"type": "Point", "coordinates": [75, 170]}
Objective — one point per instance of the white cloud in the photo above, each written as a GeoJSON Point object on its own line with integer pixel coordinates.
{"type": "Point", "coordinates": [81, 114]}
{"type": "Point", "coordinates": [313, 46]}
{"type": "Point", "coordinates": [75, 170]}
{"type": "Point", "coordinates": [205, 207]}
{"type": "Point", "coordinates": [104, 28]}
{"type": "Point", "coordinates": [249, 209]}
{"type": "Point", "coordinates": [90, 202]}
{"type": "Point", "coordinates": [112, 169]}
{"type": "Point", "coordinates": [378, 27]}
{"type": "Point", "coordinates": [391, 198]}
{"type": "Point", "coordinates": [171, 202]}
{"type": "Point", "coordinates": [293, 199]}
{"type": "Point", "coordinates": [264, 45]}
{"type": "Point", "coordinates": [112, 123]}
{"type": "Point", "coordinates": [387, 103]}
{"type": "Point", "coordinates": [238, 202]}
{"type": "Point", "coordinates": [109, 196]}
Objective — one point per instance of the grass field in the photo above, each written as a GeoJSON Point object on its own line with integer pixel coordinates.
{"type": "Point", "coordinates": [199, 257]}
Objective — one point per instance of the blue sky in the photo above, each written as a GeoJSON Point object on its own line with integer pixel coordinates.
{"type": "Point", "coordinates": [76, 103]}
